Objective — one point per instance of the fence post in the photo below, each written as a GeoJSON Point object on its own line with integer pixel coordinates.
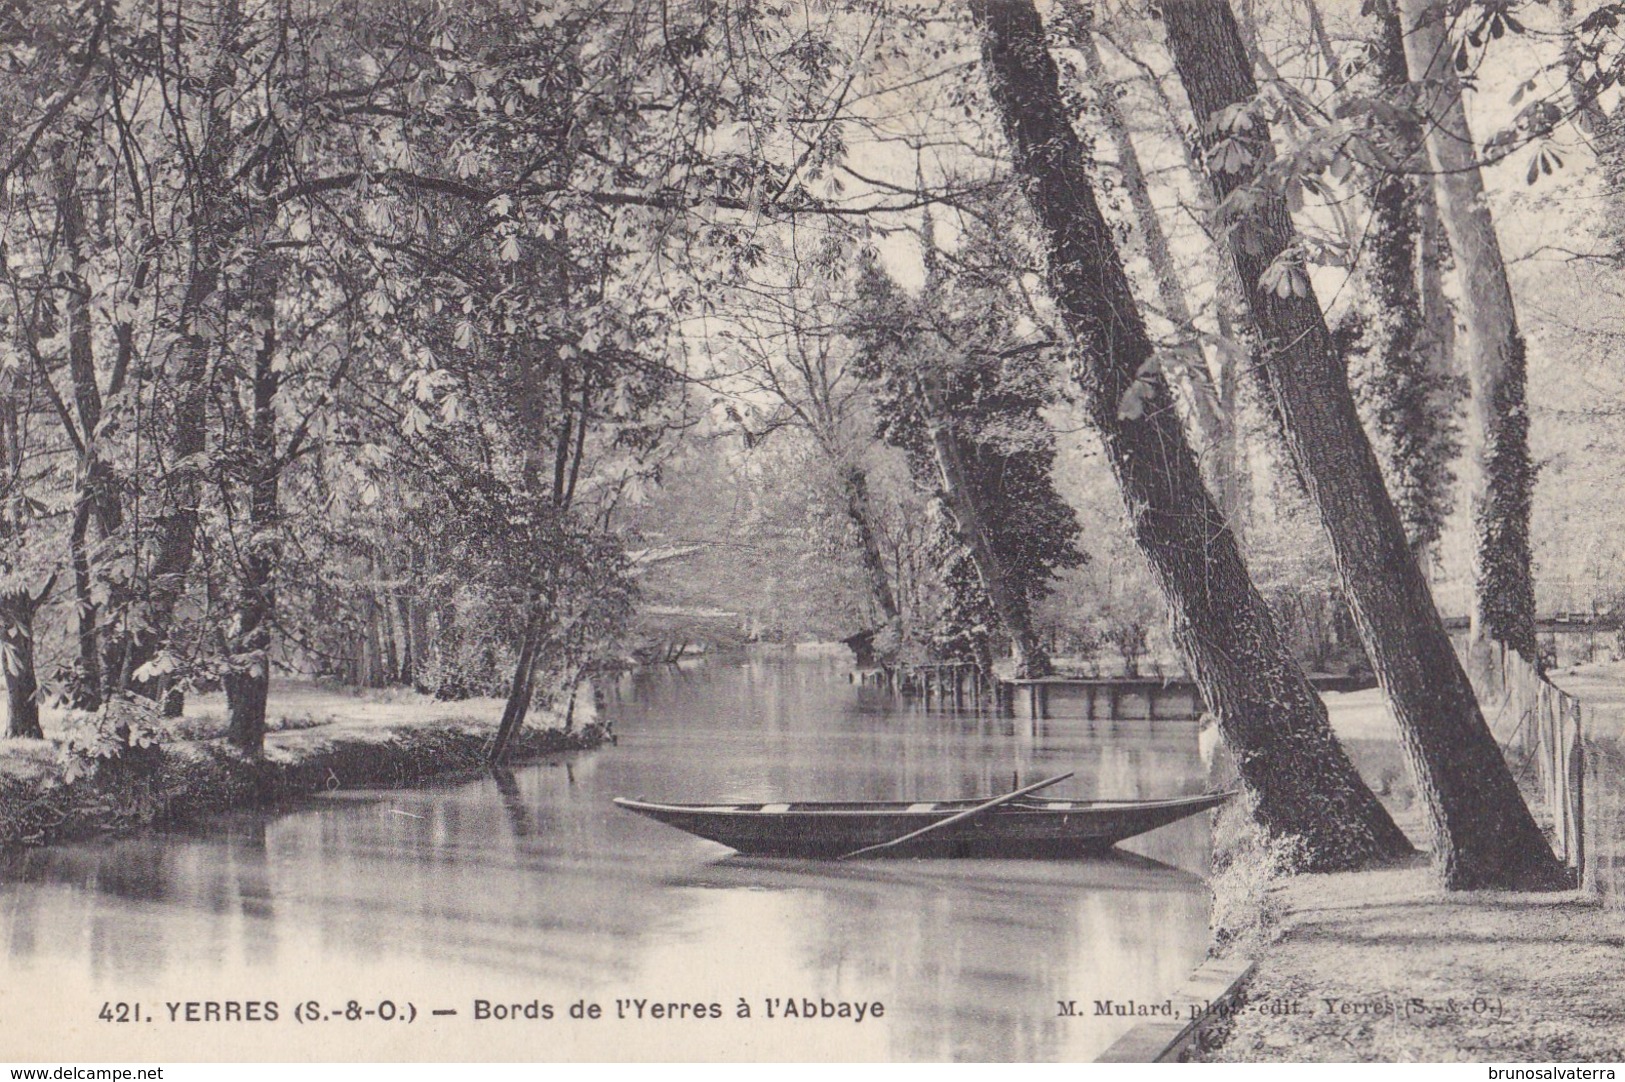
{"type": "Point", "coordinates": [1577, 789]}
{"type": "Point", "coordinates": [1559, 782]}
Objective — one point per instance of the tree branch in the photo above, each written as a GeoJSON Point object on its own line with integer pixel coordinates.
{"type": "Point", "coordinates": [60, 101]}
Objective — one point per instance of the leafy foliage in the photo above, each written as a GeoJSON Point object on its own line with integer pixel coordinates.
{"type": "Point", "coordinates": [969, 336]}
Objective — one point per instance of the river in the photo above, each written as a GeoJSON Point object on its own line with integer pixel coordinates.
{"type": "Point", "coordinates": [530, 888]}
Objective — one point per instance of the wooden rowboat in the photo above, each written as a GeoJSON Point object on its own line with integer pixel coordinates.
{"type": "Point", "coordinates": [1024, 827]}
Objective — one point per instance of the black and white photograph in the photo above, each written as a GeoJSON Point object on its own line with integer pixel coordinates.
{"type": "Point", "coordinates": [804, 531]}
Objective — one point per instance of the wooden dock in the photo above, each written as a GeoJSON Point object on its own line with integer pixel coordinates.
{"type": "Point", "coordinates": [1146, 698]}
{"type": "Point", "coordinates": [1151, 698]}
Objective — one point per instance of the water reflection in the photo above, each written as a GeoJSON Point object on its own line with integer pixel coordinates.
{"type": "Point", "coordinates": [531, 883]}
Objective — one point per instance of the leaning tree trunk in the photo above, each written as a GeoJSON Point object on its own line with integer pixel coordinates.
{"type": "Point", "coordinates": [1205, 400]}
{"type": "Point", "coordinates": [1298, 779]}
{"type": "Point", "coordinates": [1503, 480]}
{"type": "Point", "coordinates": [1237, 344]}
{"type": "Point", "coordinates": [520, 690]}
{"type": "Point", "coordinates": [855, 487]}
{"type": "Point", "coordinates": [1483, 833]}
{"type": "Point", "coordinates": [1007, 597]}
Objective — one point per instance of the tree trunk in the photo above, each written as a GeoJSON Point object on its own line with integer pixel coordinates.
{"type": "Point", "coordinates": [1008, 598]}
{"type": "Point", "coordinates": [17, 603]}
{"type": "Point", "coordinates": [855, 486]}
{"type": "Point", "coordinates": [1502, 481]}
{"type": "Point", "coordinates": [570, 707]}
{"type": "Point", "coordinates": [1438, 339]}
{"type": "Point", "coordinates": [1408, 399]}
{"type": "Point", "coordinates": [1608, 137]}
{"type": "Point", "coordinates": [87, 685]}
{"type": "Point", "coordinates": [1323, 44]}
{"type": "Point", "coordinates": [1231, 473]}
{"type": "Point", "coordinates": [86, 692]}
{"type": "Point", "coordinates": [374, 664]}
{"type": "Point", "coordinates": [177, 521]}
{"type": "Point", "coordinates": [390, 657]}
{"type": "Point", "coordinates": [1226, 457]}
{"type": "Point", "coordinates": [22, 686]}
{"type": "Point", "coordinates": [409, 643]}
{"type": "Point", "coordinates": [451, 682]}
{"type": "Point", "coordinates": [1194, 378]}
{"type": "Point", "coordinates": [1298, 779]}
{"type": "Point", "coordinates": [248, 679]}
{"type": "Point", "coordinates": [365, 651]}
{"type": "Point", "coordinates": [520, 691]}
{"type": "Point", "coordinates": [1483, 833]}
{"type": "Point", "coordinates": [422, 642]}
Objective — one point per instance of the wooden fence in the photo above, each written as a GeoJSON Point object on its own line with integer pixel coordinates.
{"type": "Point", "coordinates": [1569, 752]}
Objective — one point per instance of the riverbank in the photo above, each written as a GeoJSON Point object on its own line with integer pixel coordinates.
{"type": "Point", "coordinates": [321, 740]}
{"type": "Point", "coordinates": [1385, 966]}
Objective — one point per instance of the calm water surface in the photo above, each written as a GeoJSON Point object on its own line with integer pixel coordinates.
{"type": "Point", "coordinates": [529, 886]}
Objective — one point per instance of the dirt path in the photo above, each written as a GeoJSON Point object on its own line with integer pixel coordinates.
{"type": "Point", "coordinates": [1384, 966]}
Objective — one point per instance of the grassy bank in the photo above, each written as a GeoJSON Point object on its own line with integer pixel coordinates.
{"type": "Point", "coordinates": [321, 740]}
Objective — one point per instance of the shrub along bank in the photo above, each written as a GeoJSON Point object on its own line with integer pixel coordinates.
{"type": "Point", "coordinates": [41, 802]}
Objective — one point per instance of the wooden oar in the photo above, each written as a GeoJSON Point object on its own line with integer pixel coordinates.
{"type": "Point", "coordinates": [960, 818]}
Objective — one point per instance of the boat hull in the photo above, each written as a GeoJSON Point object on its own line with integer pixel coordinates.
{"type": "Point", "coordinates": [1021, 829]}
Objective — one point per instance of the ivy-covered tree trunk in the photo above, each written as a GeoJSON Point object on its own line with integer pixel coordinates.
{"type": "Point", "coordinates": [1007, 597]}
{"type": "Point", "coordinates": [1438, 313]}
{"type": "Point", "coordinates": [1298, 779]}
{"type": "Point", "coordinates": [1608, 137]}
{"type": "Point", "coordinates": [855, 489]}
{"type": "Point", "coordinates": [1484, 836]}
{"type": "Point", "coordinates": [1502, 481]}
{"type": "Point", "coordinates": [1401, 380]}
